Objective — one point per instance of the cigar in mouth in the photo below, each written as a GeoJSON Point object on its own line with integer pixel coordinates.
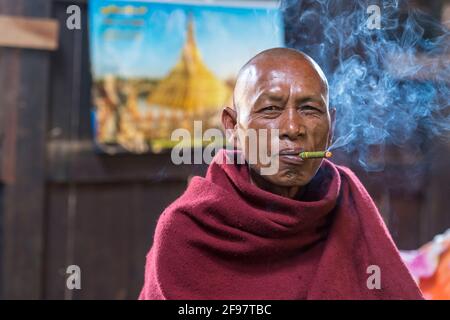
{"type": "Point", "coordinates": [315, 154]}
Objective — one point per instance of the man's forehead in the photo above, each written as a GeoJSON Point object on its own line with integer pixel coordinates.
{"type": "Point", "coordinates": [279, 78]}
{"type": "Point", "coordinates": [280, 71]}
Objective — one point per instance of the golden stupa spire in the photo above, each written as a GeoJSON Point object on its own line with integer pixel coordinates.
{"type": "Point", "coordinates": [190, 85]}
{"type": "Point", "coordinates": [191, 54]}
{"type": "Point", "coordinates": [190, 39]}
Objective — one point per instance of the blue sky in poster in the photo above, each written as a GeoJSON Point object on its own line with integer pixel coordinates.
{"type": "Point", "coordinates": [226, 35]}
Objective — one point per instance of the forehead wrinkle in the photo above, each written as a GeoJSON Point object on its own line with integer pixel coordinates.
{"type": "Point", "coordinates": [266, 91]}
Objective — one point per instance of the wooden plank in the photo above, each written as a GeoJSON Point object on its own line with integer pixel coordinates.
{"type": "Point", "coordinates": [9, 81]}
{"type": "Point", "coordinates": [57, 231]}
{"type": "Point", "coordinates": [63, 114]}
{"type": "Point", "coordinates": [23, 203]}
{"type": "Point", "coordinates": [29, 33]}
{"type": "Point", "coordinates": [24, 198]}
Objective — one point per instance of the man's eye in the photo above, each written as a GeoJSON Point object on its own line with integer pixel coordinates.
{"type": "Point", "coordinates": [270, 108]}
{"type": "Point", "coordinates": [310, 109]}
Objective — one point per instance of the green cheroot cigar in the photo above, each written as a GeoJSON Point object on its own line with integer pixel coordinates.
{"type": "Point", "coordinates": [315, 154]}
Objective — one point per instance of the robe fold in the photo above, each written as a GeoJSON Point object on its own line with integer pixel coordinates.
{"type": "Point", "coordinates": [225, 238]}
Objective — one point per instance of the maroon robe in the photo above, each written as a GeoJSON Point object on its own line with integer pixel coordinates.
{"type": "Point", "coordinates": [225, 238]}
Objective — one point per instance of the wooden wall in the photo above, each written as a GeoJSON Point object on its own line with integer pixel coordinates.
{"type": "Point", "coordinates": [62, 203]}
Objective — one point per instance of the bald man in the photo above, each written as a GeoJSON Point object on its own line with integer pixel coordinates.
{"type": "Point", "coordinates": [309, 230]}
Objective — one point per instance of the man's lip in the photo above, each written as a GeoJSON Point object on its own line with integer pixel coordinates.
{"type": "Point", "coordinates": [290, 158]}
{"type": "Point", "coordinates": [290, 151]}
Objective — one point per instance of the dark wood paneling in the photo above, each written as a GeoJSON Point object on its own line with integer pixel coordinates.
{"type": "Point", "coordinates": [26, 102]}
{"type": "Point", "coordinates": [107, 231]}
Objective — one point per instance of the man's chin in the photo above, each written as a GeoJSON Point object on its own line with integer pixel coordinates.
{"type": "Point", "coordinates": [287, 180]}
{"type": "Point", "coordinates": [284, 176]}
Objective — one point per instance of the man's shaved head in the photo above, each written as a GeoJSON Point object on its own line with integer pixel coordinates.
{"type": "Point", "coordinates": [285, 92]}
{"type": "Point", "coordinates": [272, 59]}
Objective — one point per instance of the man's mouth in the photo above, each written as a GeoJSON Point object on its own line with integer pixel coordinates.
{"type": "Point", "coordinates": [290, 155]}
{"type": "Point", "coordinates": [291, 151]}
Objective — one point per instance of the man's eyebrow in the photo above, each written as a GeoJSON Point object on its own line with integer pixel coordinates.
{"type": "Point", "coordinates": [311, 99]}
{"type": "Point", "coordinates": [271, 95]}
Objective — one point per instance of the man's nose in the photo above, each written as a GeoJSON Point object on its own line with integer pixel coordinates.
{"type": "Point", "coordinates": [291, 124]}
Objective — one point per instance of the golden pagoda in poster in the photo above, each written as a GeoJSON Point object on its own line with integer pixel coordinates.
{"type": "Point", "coordinates": [190, 86]}
{"type": "Point", "coordinates": [158, 66]}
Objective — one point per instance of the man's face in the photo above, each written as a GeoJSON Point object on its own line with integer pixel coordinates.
{"type": "Point", "coordinates": [288, 95]}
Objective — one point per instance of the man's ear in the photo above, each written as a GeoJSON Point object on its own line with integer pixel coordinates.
{"type": "Point", "coordinates": [229, 118]}
{"type": "Point", "coordinates": [332, 124]}
{"type": "Point", "coordinates": [229, 121]}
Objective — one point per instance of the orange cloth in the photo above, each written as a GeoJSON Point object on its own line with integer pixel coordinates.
{"type": "Point", "coordinates": [437, 287]}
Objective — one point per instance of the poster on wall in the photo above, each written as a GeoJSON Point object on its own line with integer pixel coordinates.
{"type": "Point", "coordinates": [158, 66]}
